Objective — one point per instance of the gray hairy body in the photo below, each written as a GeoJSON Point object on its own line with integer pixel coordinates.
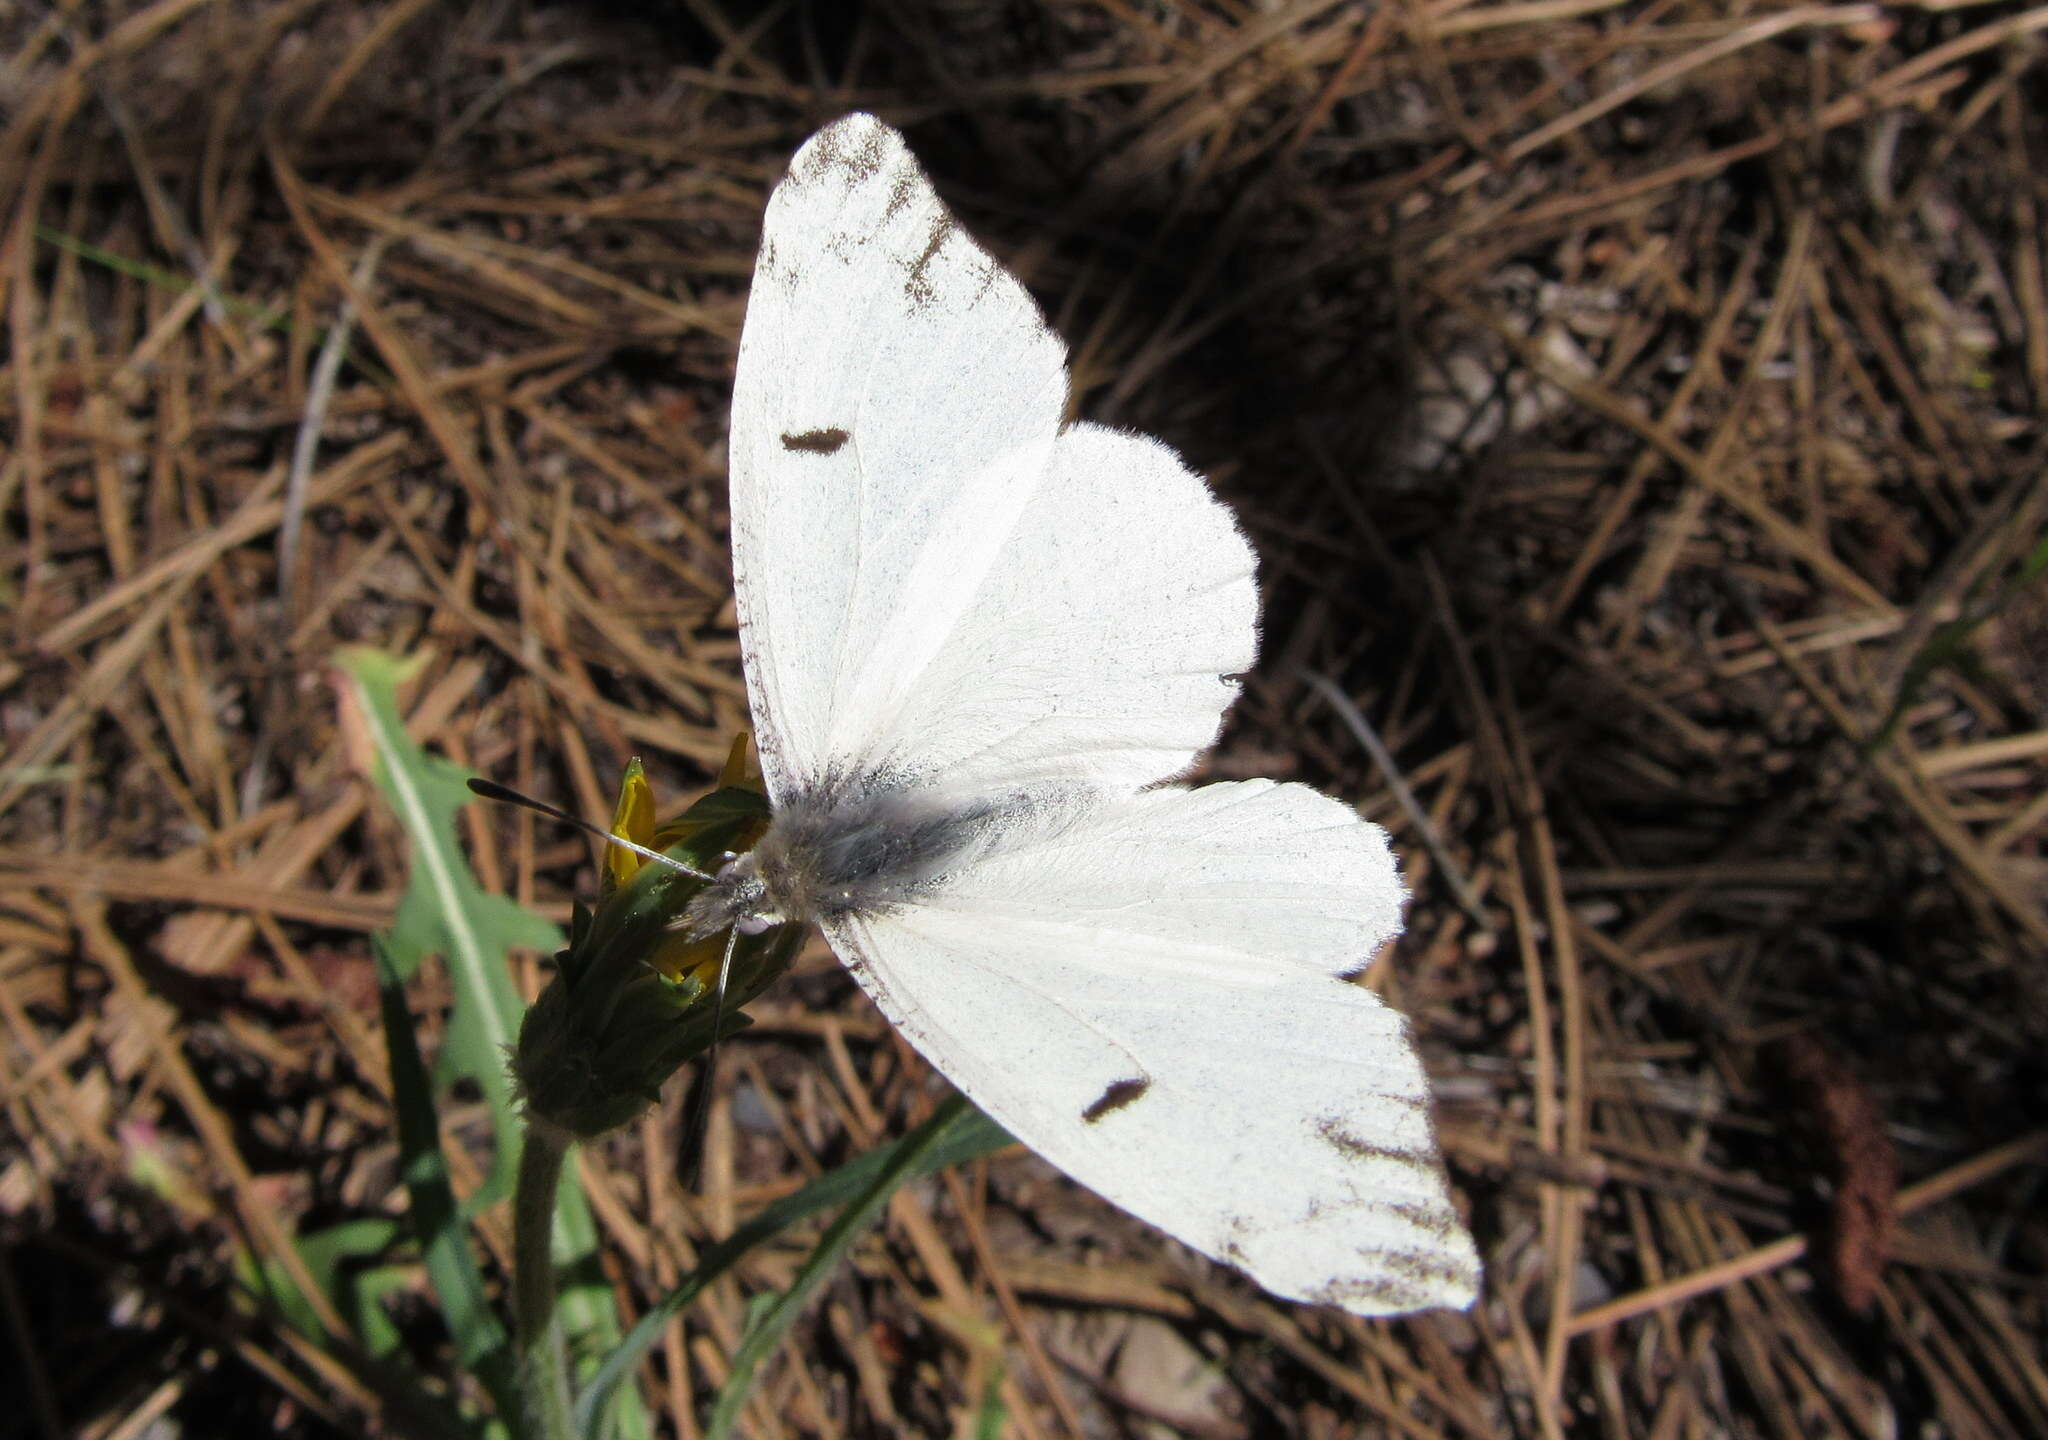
{"type": "Point", "coordinates": [860, 849]}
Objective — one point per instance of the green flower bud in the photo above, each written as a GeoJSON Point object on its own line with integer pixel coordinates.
{"type": "Point", "coordinates": [633, 996]}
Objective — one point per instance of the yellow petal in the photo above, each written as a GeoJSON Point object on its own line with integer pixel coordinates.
{"type": "Point", "coordinates": [634, 820]}
{"type": "Point", "coordinates": [738, 773]}
{"type": "Point", "coordinates": [681, 957]}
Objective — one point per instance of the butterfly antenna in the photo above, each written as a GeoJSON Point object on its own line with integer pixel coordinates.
{"type": "Point", "coordinates": [492, 790]}
{"type": "Point", "coordinates": [700, 1109]}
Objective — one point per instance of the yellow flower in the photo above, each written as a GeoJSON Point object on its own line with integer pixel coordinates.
{"type": "Point", "coordinates": [632, 997]}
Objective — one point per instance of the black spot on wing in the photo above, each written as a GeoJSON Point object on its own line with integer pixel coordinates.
{"type": "Point", "coordinates": [1118, 1094]}
{"type": "Point", "coordinates": [815, 442]}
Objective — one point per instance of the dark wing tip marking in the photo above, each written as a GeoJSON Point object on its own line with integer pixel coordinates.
{"type": "Point", "coordinates": [1438, 1222]}
{"type": "Point", "coordinates": [858, 145]}
{"type": "Point", "coordinates": [1405, 1280]}
{"type": "Point", "coordinates": [918, 287]}
{"type": "Point", "coordinates": [1114, 1097]}
{"type": "Point", "coordinates": [1333, 1134]}
{"type": "Point", "coordinates": [1404, 1277]}
{"type": "Point", "coordinates": [909, 185]}
{"type": "Point", "coordinates": [815, 442]}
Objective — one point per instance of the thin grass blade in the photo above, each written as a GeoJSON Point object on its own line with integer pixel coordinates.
{"type": "Point", "coordinates": [956, 1133]}
{"type": "Point", "coordinates": [480, 1341]}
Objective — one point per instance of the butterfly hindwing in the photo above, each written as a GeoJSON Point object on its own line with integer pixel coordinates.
{"type": "Point", "coordinates": [1148, 997]}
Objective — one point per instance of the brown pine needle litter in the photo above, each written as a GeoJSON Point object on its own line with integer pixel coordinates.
{"type": "Point", "coordinates": [1637, 408]}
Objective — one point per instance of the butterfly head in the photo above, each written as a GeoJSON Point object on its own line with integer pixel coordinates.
{"type": "Point", "coordinates": [737, 898]}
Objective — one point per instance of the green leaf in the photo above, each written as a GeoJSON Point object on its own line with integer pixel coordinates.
{"type": "Point", "coordinates": [272, 1285]}
{"type": "Point", "coordinates": [992, 1421]}
{"type": "Point", "coordinates": [957, 1132]}
{"type": "Point", "coordinates": [371, 1351]}
{"type": "Point", "coordinates": [445, 912]}
{"type": "Point", "coordinates": [362, 1296]}
{"type": "Point", "coordinates": [480, 1342]}
{"type": "Point", "coordinates": [327, 1250]}
{"type": "Point", "coordinates": [356, 1289]}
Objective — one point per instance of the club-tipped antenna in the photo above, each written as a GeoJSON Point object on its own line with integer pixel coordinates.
{"type": "Point", "coordinates": [492, 790]}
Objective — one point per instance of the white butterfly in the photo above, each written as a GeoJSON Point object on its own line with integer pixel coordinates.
{"type": "Point", "coordinates": [976, 643]}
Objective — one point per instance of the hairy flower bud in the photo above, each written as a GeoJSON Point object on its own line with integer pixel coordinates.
{"type": "Point", "coordinates": [633, 997]}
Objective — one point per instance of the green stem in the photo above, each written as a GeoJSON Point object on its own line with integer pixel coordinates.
{"type": "Point", "coordinates": [543, 1366]}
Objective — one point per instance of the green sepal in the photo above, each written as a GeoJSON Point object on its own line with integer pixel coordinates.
{"type": "Point", "coordinates": [612, 1026]}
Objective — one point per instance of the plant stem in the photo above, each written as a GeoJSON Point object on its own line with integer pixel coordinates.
{"type": "Point", "coordinates": [543, 1367]}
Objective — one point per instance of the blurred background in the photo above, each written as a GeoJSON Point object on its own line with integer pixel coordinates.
{"type": "Point", "coordinates": [1637, 409]}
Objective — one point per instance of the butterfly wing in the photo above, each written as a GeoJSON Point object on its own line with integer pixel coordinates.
{"type": "Point", "coordinates": [936, 582]}
{"type": "Point", "coordinates": [938, 586]}
{"type": "Point", "coordinates": [1147, 997]}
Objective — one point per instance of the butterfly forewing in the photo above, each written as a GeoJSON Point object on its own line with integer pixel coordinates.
{"type": "Point", "coordinates": [937, 585]}
{"type": "Point", "coordinates": [896, 405]}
